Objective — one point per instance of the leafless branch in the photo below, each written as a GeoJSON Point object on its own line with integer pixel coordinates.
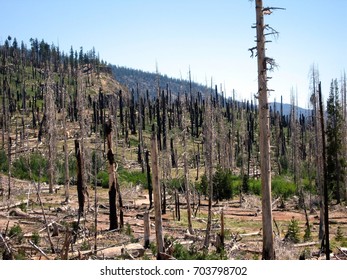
{"type": "Point", "coordinates": [252, 51]}
{"type": "Point", "coordinates": [268, 10]}
{"type": "Point", "coordinates": [271, 63]}
{"type": "Point", "coordinates": [272, 31]}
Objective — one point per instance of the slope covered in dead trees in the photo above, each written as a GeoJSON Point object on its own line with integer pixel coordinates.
{"type": "Point", "coordinates": [80, 178]}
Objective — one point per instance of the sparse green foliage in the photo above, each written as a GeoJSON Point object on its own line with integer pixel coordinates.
{"type": "Point", "coordinates": [293, 231]}
{"type": "Point", "coordinates": [245, 184]}
{"type": "Point", "coordinates": [308, 234]}
{"type": "Point", "coordinates": [85, 245]}
{"type": "Point", "coordinates": [339, 234]}
{"type": "Point", "coordinates": [305, 254]}
{"type": "Point", "coordinates": [283, 186]}
{"type": "Point", "coordinates": [35, 238]}
{"type": "Point", "coordinates": [132, 177]}
{"type": "Point", "coordinates": [17, 232]}
{"type": "Point", "coordinates": [103, 179]}
{"type": "Point", "coordinates": [30, 167]}
{"type": "Point", "coordinates": [180, 252]}
{"type": "Point", "coordinates": [3, 161]}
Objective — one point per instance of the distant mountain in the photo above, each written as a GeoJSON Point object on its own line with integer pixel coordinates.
{"type": "Point", "coordinates": [149, 81]}
{"type": "Point", "coordinates": [131, 78]}
{"type": "Point", "coordinates": [287, 109]}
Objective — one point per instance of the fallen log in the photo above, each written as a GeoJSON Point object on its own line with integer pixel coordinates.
{"type": "Point", "coordinates": [250, 234]}
{"type": "Point", "coordinates": [17, 212]}
{"type": "Point", "coordinates": [244, 214]}
{"type": "Point", "coordinates": [305, 244]}
{"type": "Point", "coordinates": [6, 207]}
{"type": "Point", "coordinates": [134, 249]}
{"type": "Point", "coordinates": [193, 237]}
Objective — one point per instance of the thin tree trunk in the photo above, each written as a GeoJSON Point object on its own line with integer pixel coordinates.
{"type": "Point", "coordinates": [147, 229]}
{"type": "Point", "coordinates": [264, 127]}
{"type": "Point", "coordinates": [9, 166]}
{"type": "Point", "coordinates": [66, 154]}
{"type": "Point", "coordinates": [157, 195]}
{"type": "Point", "coordinates": [186, 183]}
{"type": "Point", "coordinates": [209, 155]}
{"type": "Point", "coordinates": [326, 207]}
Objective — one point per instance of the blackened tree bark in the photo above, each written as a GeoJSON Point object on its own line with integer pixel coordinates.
{"type": "Point", "coordinates": [325, 184]}
{"type": "Point", "coordinates": [80, 178]}
{"type": "Point", "coordinates": [149, 180]}
{"type": "Point", "coordinates": [113, 182]}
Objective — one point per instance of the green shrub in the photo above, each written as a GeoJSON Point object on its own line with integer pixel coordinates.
{"type": "Point", "coordinates": [254, 186]}
{"type": "Point", "coordinates": [35, 238]}
{"type": "Point", "coordinates": [245, 184]}
{"type": "Point", "coordinates": [222, 184]}
{"type": "Point", "coordinates": [31, 168]}
{"type": "Point", "coordinates": [283, 186]}
{"type": "Point", "coordinates": [202, 186]}
{"type": "Point", "coordinates": [3, 161]}
{"type": "Point", "coordinates": [225, 185]}
{"type": "Point", "coordinates": [16, 231]}
{"type": "Point", "coordinates": [133, 177]}
{"type": "Point", "coordinates": [85, 245]}
{"type": "Point", "coordinates": [177, 184]}
{"type": "Point", "coordinates": [293, 231]}
{"type": "Point", "coordinates": [103, 179]}
{"type": "Point", "coordinates": [339, 234]}
{"type": "Point", "coordinates": [180, 252]}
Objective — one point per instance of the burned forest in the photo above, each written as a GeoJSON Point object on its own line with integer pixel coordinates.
{"type": "Point", "coordinates": [92, 168]}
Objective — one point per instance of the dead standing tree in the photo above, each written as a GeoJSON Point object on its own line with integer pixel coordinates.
{"type": "Point", "coordinates": [113, 182]}
{"type": "Point", "coordinates": [186, 182]}
{"type": "Point", "coordinates": [209, 156]}
{"type": "Point", "coordinates": [50, 123]}
{"type": "Point", "coordinates": [264, 64]}
{"type": "Point", "coordinates": [81, 188]}
{"type": "Point", "coordinates": [157, 195]}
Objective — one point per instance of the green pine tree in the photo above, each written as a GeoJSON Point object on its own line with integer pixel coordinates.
{"type": "Point", "coordinates": [293, 231]}
{"type": "Point", "coordinates": [334, 132]}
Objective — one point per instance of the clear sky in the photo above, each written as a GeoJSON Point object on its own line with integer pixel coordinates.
{"type": "Point", "coordinates": [211, 38]}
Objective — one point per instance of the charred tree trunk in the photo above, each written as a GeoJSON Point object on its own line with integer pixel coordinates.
{"type": "Point", "coordinates": [147, 230]}
{"type": "Point", "coordinates": [112, 183]}
{"type": "Point", "coordinates": [325, 184]}
{"type": "Point", "coordinates": [149, 180]}
{"type": "Point", "coordinates": [121, 114]}
{"type": "Point", "coordinates": [80, 178]}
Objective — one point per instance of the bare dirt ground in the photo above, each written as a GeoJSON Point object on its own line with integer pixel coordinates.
{"type": "Point", "coordinates": [64, 240]}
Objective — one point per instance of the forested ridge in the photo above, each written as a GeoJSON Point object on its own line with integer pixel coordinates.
{"type": "Point", "coordinates": [89, 162]}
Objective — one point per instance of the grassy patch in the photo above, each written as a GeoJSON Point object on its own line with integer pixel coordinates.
{"type": "Point", "coordinates": [127, 177]}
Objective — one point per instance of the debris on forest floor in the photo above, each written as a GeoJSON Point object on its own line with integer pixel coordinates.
{"type": "Point", "coordinates": [24, 233]}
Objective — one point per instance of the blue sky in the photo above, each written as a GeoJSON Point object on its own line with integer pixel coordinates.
{"type": "Point", "coordinates": [209, 37]}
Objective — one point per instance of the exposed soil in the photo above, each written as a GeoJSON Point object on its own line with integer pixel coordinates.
{"type": "Point", "coordinates": [242, 225]}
